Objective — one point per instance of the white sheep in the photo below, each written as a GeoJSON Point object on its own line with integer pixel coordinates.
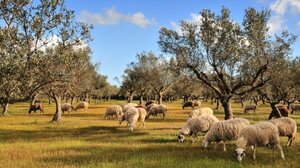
{"type": "Point", "coordinates": [286, 127]}
{"type": "Point", "coordinates": [201, 111]}
{"type": "Point", "coordinates": [127, 106]}
{"type": "Point", "coordinates": [157, 109]}
{"type": "Point", "coordinates": [224, 131]}
{"type": "Point", "coordinates": [113, 110]}
{"type": "Point", "coordinates": [131, 116]}
{"type": "Point", "coordinates": [260, 134]}
{"type": "Point", "coordinates": [250, 107]}
{"type": "Point", "coordinates": [82, 105]}
{"type": "Point", "coordinates": [195, 125]}
{"type": "Point", "coordinates": [142, 116]}
{"type": "Point", "coordinates": [66, 107]}
{"type": "Point", "coordinates": [295, 107]}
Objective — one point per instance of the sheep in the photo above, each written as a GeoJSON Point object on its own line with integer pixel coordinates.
{"type": "Point", "coordinates": [224, 131]}
{"type": "Point", "coordinates": [250, 107]}
{"type": "Point", "coordinates": [148, 107]}
{"type": "Point", "coordinates": [157, 109]}
{"type": "Point", "coordinates": [150, 102]}
{"type": "Point", "coordinates": [127, 106]}
{"type": "Point", "coordinates": [283, 111]}
{"type": "Point", "coordinates": [261, 134]}
{"type": "Point", "coordinates": [295, 107]}
{"type": "Point", "coordinates": [66, 107]}
{"type": "Point", "coordinates": [287, 127]}
{"type": "Point", "coordinates": [195, 125]}
{"type": "Point", "coordinates": [131, 116]}
{"type": "Point", "coordinates": [113, 110]}
{"type": "Point", "coordinates": [191, 104]}
{"type": "Point", "coordinates": [35, 107]}
{"type": "Point", "coordinates": [201, 111]}
{"type": "Point", "coordinates": [82, 105]}
{"type": "Point", "coordinates": [142, 116]}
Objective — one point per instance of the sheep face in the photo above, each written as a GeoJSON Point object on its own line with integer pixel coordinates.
{"type": "Point", "coordinates": [121, 119]}
{"type": "Point", "coordinates": [180, 138]}
{"type": "Point", "coordinates": [240, 153]}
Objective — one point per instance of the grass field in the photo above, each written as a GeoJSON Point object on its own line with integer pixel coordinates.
{"type": "Point", "coordinates": [87, 140]}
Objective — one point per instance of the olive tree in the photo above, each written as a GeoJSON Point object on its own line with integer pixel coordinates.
{"type": "Point", "coordinates": [230, 58]}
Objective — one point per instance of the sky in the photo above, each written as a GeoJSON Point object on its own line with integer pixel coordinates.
{"type": "Point", "coordinates": [123, 28]}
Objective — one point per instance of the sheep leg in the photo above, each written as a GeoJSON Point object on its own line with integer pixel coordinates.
{"type": "Point", "coordinates": [289, 141]}
{"type": "Point", "coordinates": [224, 146]}
{"type": "Point", "coordinates": [194, 136]}
{"type": "Point", "coordinates": [216, 144]}
{"type": "Point", "coordinates": [254, 152]}
{"type": "Point", "coordinates": [281, 150]}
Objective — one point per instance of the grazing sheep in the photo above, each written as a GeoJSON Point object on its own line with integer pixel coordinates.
{"type": "Point", "coordinates": [131, 116]}
{"type": "Point", "coordinates": [260, 134]}
{"type": "Point", "coordinates": [150, 102]}
{"type": "Point", "coordinates": [82, 105]}
{"type": "Point", "coordinates": [250, 107]}
{"type": "Point", "coordinates": [113, 110]}
{"type": "Point", "coordinates": [287, 127]}
{"type": "Point", "coordinates": [157, 109]}
{"type": "Point", "coordinates": [295, 107]}
{"type": "Point", "coordinates": [191, 104]}
{"type": "Point", "coordinates": [127, 106]}
{"type": "Point", "coordinates": [224, 131]}
{"type": "Point", "coordinates": [201, 111]}
{"type": "Point", "coordinates": [148, 107]}
{"type": "Point", "coordinates": [142, 116]}
{"type": "Point", "coordinates": [195, 125]}
{"type": "Point", "coordinates": [66, 107]}
{"type": "Point", "coordinates": [35, 107]}
{"type": "Point", "coordinates": [283, 111]}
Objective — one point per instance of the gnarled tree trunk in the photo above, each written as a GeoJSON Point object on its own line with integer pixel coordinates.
{"type": "Point", "coordinates": [57, 115]}
{"type": "Point", "coordinates": [4, 108]}
{"type": "Point", "coordinates": [226, 103]}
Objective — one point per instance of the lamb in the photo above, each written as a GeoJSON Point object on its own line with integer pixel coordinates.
{"type": "Point", "coordinates": [295, 107]}
{"type": "Point", "coordinates": [250, 107]}
{"type": "Point", "coordinates": [201, 111]}
{"type": "Point", "coordinates": [261, 134]}
{"type": "Point", "coordinates": [157, 109]}
{"type": "Point", "coordinates": [35, 107]}
{"type": "Point", "coordinates": [195, 125]}
{"type": "Point", "coordinates": [131, 116]}
{"type": "Point", "coordinates": [66, 107]}
{"type": "Point", "coordinates": [224, 131]}
{"type": "Point", "coordinates": [82, 105]}
{"type": "Point", "coordinates": [113, 110]}
{"type": "Point", "coordinates": [191, 104]}
{"type": "Point", "coordinates": [287, 127]}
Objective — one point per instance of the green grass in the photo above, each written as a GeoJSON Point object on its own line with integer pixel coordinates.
{"type": "Point", "coordinates": [87, 140]}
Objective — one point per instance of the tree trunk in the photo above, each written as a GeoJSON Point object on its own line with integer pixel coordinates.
{"type": "Point", "coordinates": [4, 108]}
{"type": "Point", "coordinates": [49, 100]}
{"type": "Point", "coordinates": [218, 104]}
{"type": "Point", "coordinates": [274, 108]}
{"type": "Point", "coordinates": [33, 99]}
{"type": "Point", "coordinates": [141, 100]}
{"type": "Point", "coordinates": [72, 100]}
{"type": "Point", "coordinates": [57, 115]}
{"type": "Point", "coordinates": [227, 108]}
{"type": "Point", "coordinates": [160, 96]}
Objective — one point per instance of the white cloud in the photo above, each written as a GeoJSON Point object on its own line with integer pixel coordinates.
{"type": "Point", "coordinates": [281, 8]}
{"type": "Point", "coordinates": [276, 24]}
{"type": "Point", "coordinates": [113, 17]}
{"type": "Point", "coordinates": [195, 18]}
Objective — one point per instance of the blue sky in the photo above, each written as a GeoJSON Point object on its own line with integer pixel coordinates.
{"type": "Point", "coordinates": [123, 28]}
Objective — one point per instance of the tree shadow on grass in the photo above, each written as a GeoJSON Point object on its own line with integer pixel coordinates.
{"type": "Point", "coordinates": [96, 133]}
